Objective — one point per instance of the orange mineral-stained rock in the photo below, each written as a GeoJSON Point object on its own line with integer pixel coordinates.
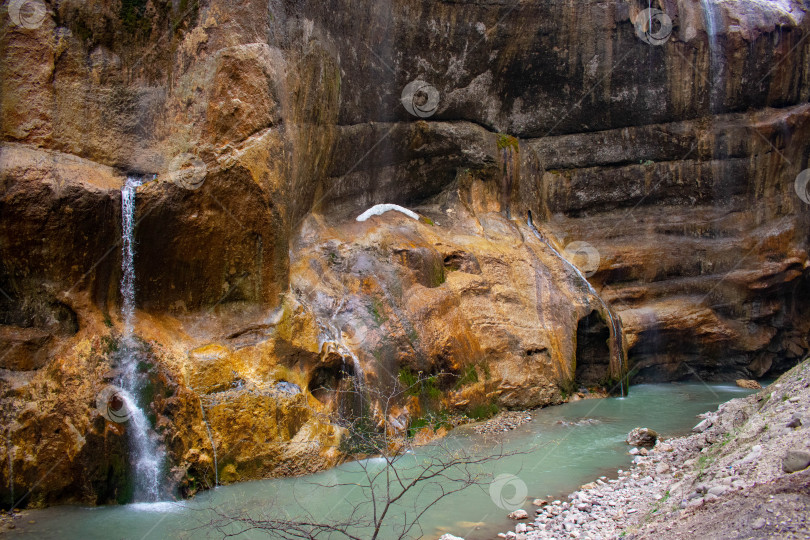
{"type": "Point", "coordinates": [268, 319]}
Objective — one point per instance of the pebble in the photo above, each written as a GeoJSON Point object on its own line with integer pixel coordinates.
{"type": "Point", "coordinates": [519, 514]}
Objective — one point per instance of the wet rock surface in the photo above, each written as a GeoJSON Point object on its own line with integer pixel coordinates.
{"type": "Point", "coordinates": [261, 138]}
{"type": "Point", "coordinates": [642, 437]}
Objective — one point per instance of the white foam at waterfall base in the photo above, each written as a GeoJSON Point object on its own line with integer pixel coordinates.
{"type": "Point", "coordinates": [162, 507]}
{"type": "Point", "coordinates": [145, 454]}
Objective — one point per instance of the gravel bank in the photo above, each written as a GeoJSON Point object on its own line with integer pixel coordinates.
{"type": "Point", "coordinates": [505, 421]}
{"type": "Point", "coordinates": [727, 480]}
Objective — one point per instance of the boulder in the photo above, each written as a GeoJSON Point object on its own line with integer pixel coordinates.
{"type": "Point", "coordinates": [795, 460]}
{"type": "Point", "coordinates": [748, 383]}
{"type": "Point", "coordinates": [642, 437]}
{"type": "Point", "coordinates": [518, 514]}
{"type": "Point", "coordinates": [718, 491]}
{"type": "Point", "coordinates": [704, 424]}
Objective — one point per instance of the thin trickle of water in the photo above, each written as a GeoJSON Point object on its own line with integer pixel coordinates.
{"type": "Point", "coordinates": [358, 392]}
{"type": "Point", "coordinates": [715, 58]}
{"type": "Point", "coordinates": [213, 446]}
{"type": "Point", "coordinates": [593, 292]}
{"type": "Point", "coordinates": [145, 452]}
{"type": "Point", "coordinates": [336, 337]}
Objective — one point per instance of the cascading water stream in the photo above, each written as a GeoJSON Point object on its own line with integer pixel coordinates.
{"type": "Point", "coordinates": [593, 292]}
{"type": "Point", "coordinates": [144, 450]}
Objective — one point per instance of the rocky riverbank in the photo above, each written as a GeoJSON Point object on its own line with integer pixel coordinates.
{"type": "Point", "coordinates": [743, 474]}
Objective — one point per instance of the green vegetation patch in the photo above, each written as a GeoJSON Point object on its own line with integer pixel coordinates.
{"type": "Point", "coordinates": [469, 376]}
{"type": "Point", "coordinates": [505, 141]}
{"type": "Point", "coordinates": [434, 420]}
{"type": "Point", "coordinates": [426, 220]}
{"type": "Point", "coordinates": [482, 411]}
{"type": "Point", "coordinates": [133, 16]}
{"type": "Point", "coordinates": [376, 309]}
{"type": "Point", "coordinates": [422, 387]}
{"type": "Point", "coordinates": [363, 437]}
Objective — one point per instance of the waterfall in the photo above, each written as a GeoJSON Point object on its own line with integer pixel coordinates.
{"type": "Point", "coordinates": [593, 292]}
{"type": "Point", "coordinates": [144, 449]}
{"type": "Point", "coordinates": [344, 350]}
{"type": "Point", "coordinates": [128, 254]}
{"type": "Point", "coordinates": [358, 391]}
{"type": "Point", "coordinates": [335, 336]}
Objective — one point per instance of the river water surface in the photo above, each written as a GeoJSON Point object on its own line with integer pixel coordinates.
{"type": "Point", "coordinates": [560, 449]}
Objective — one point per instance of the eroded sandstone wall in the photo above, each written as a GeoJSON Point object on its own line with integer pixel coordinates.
{"type": "Point", "coordinates": [263, 128]}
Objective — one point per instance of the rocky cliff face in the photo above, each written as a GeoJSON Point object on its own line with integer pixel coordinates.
{"type": "Point", "coordinates": [263, 129]}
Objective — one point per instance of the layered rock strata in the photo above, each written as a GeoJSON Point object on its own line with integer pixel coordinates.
{"type": "Point", "coordinates": [263, 129]}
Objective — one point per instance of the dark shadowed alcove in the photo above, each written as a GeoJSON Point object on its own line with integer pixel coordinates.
{"type": "Point", "coordinates": [593, 352]}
